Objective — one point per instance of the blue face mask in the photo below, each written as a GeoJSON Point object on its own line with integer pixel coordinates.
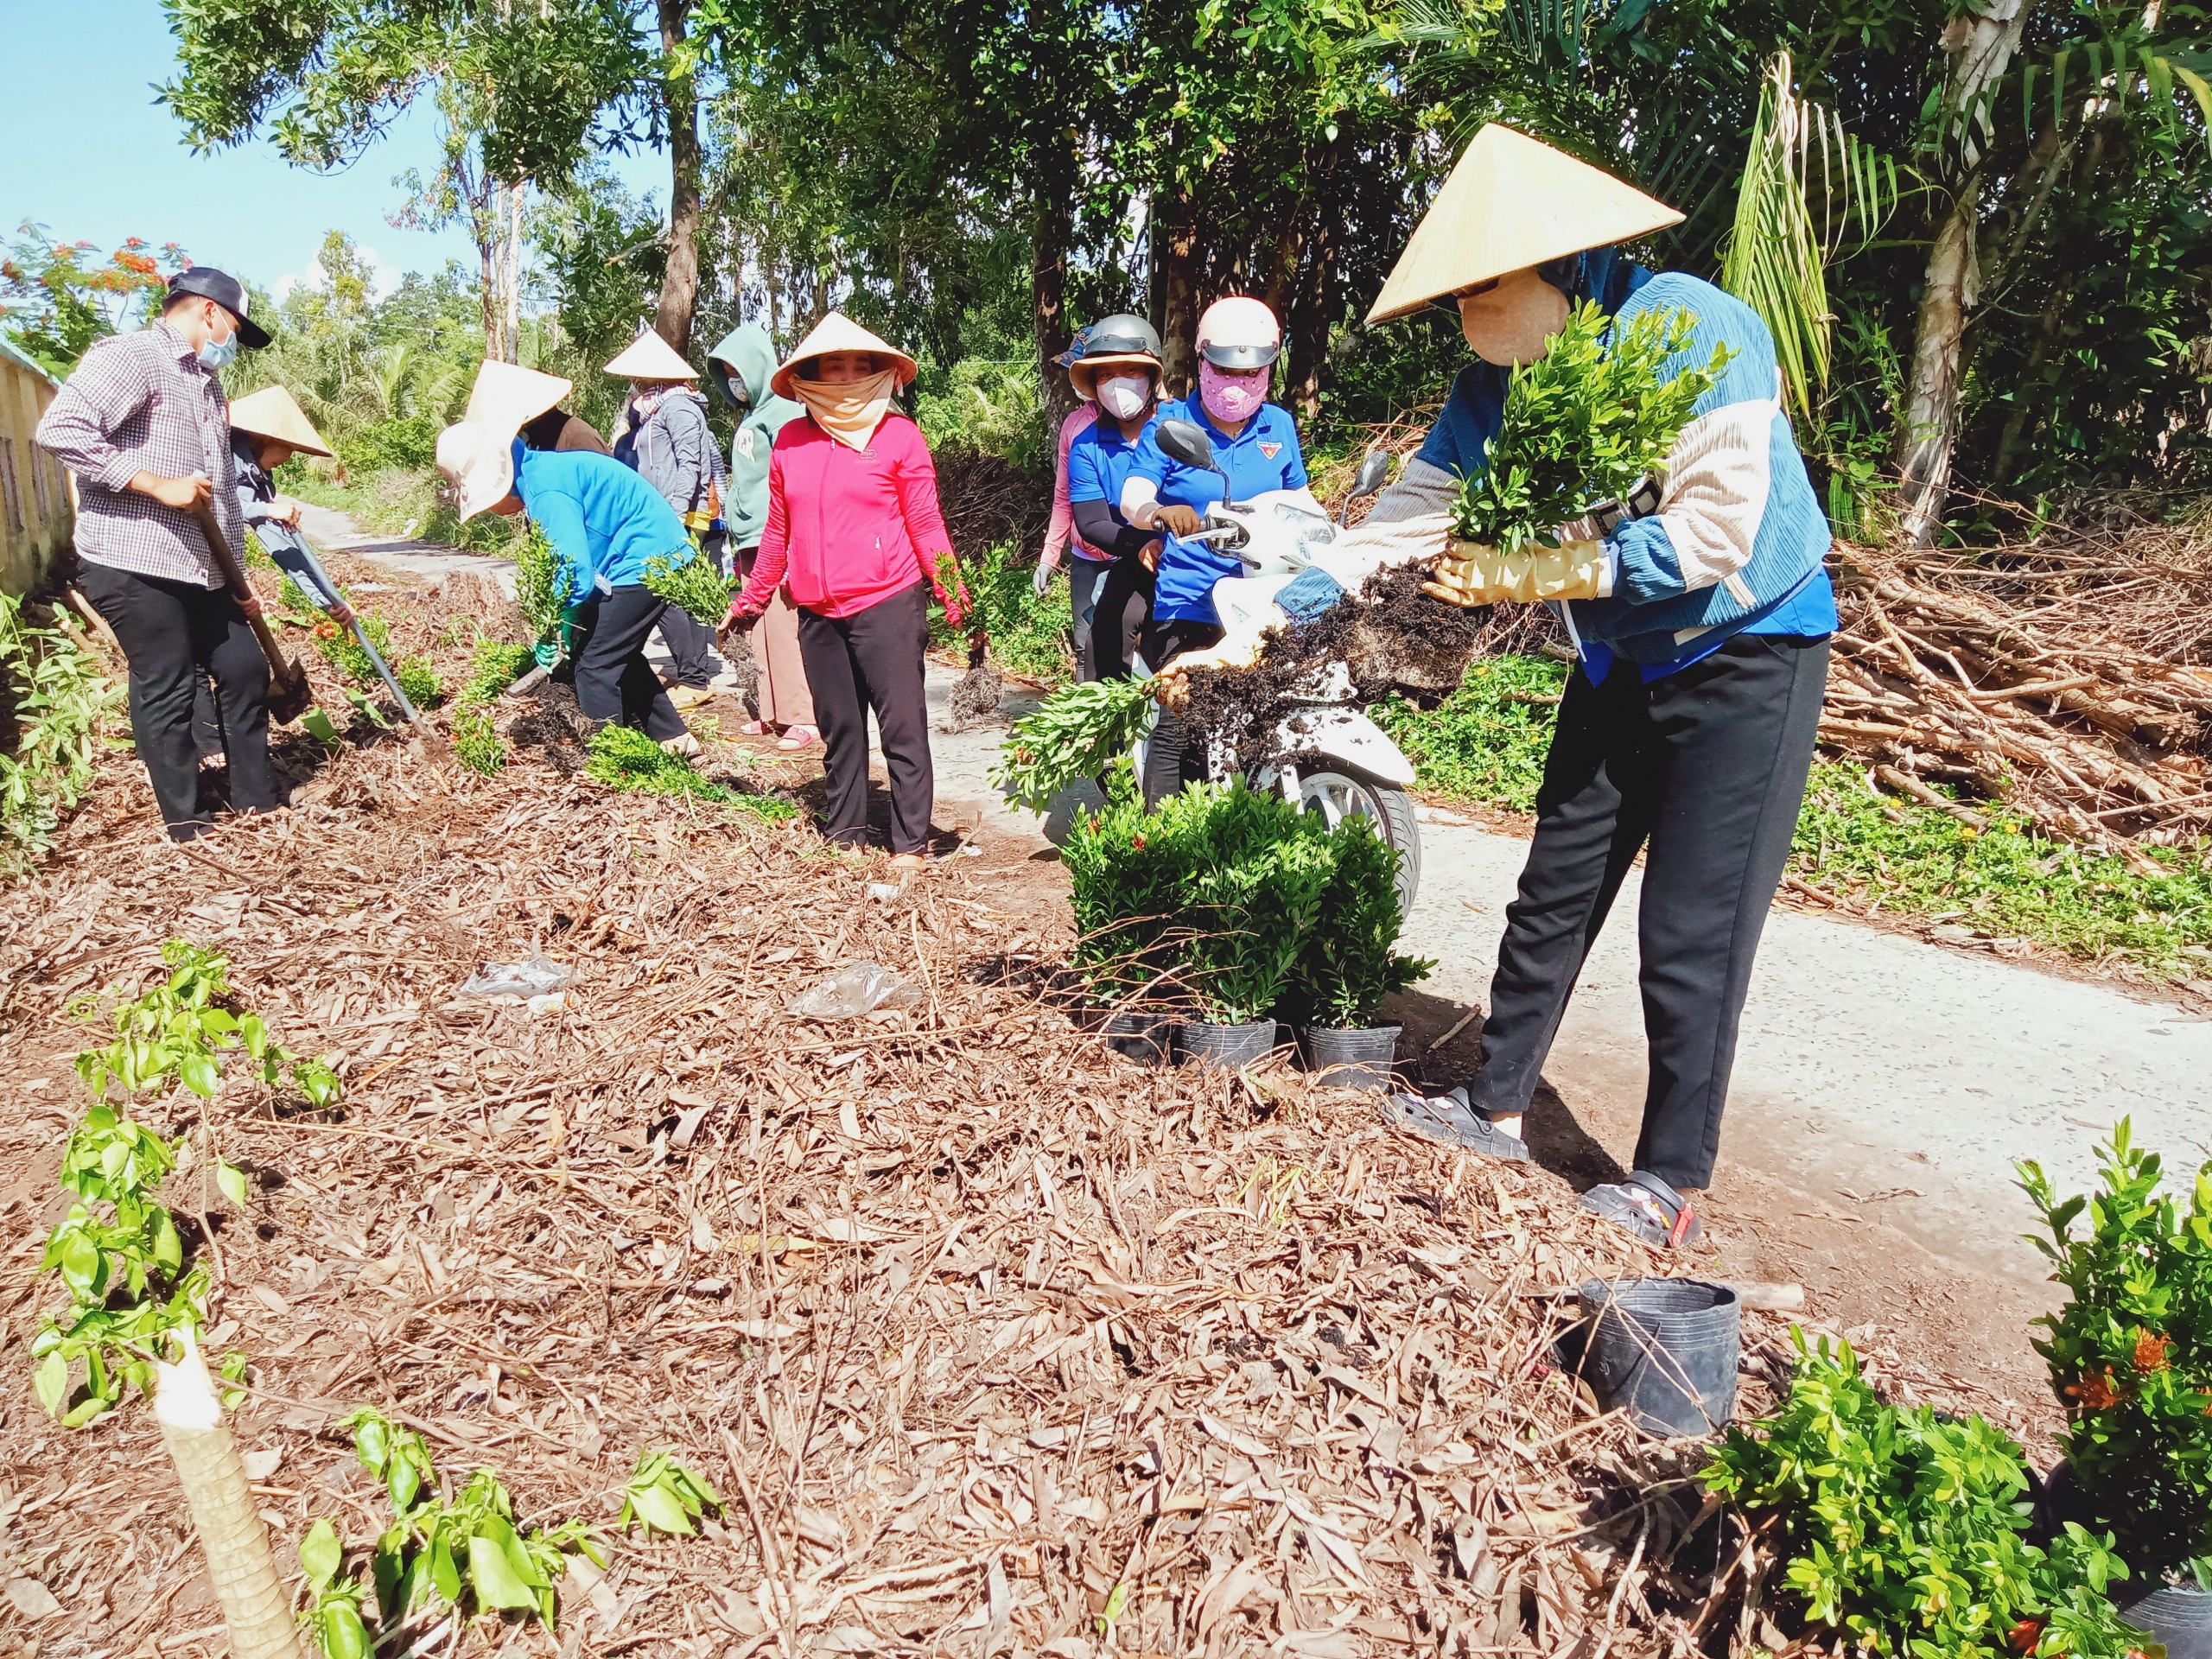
{"type": "Point", "coordinates": [219, 353]}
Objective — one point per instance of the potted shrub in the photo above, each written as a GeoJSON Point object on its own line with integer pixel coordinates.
{"type": "Point", "coordinates": [1126, 873]}
{"type": "Point", "coordinates": [1350, 962]}
{"type": "Point", "coordinates": [1255, 870]}
{"type": "Point", "coordinates": [2131, 1360]}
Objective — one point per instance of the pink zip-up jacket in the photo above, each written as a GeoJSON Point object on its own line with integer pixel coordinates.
{"type": "Point", "coordinates": [848, 528]}
{"type": "Point", "coordinates": [1059, 530]}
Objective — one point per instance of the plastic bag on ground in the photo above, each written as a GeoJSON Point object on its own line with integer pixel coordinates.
{"type": "Point", "coordinates": [540, 976]}
{"type": "Point", "coordinates": [857, 989]}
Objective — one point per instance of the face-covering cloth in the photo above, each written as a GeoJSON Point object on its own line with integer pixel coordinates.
{"type": "Point", "coordinates": [850, 411]}
{"type": "Point", "coordinates": [1229, 396]}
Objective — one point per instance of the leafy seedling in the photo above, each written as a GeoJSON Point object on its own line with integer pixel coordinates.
{"type": "Point", "coordinates": [336, 1620]}
{"type": "Point", "coordinates": [694, 586]}
{"type": "Point", "coordinates": [666, 1496]}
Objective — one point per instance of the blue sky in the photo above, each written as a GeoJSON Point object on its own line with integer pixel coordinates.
{"type": "Point", "coordinates": [85, 151]}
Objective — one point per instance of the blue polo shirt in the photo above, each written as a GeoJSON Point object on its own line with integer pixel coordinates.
{"type": "Point", "coordinates": [1100, 461]}
{"type": "Point", "coordinates": [1264, 456]}
{"type": "Point", "coordinates": [603, 519]}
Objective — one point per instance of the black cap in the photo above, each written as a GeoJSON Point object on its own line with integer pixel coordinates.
{"type": "Point", "coordinates": [205, 281]}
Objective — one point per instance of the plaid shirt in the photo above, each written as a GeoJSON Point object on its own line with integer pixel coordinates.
{"type": "Point", "coordinates": [144, 403]}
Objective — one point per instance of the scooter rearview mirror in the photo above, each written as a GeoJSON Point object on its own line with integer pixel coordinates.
{"type": "Point", "coordinates": [1182, 441]}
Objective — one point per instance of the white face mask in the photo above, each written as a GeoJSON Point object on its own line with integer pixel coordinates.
{"type": "Point", "coordinates": [1507, 325]}
{"type": "Point", "coordinates": [1124, 396]}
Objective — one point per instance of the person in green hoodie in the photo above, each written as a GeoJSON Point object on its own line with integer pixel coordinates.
{"type": "Point", "coordinates": [739, 366]}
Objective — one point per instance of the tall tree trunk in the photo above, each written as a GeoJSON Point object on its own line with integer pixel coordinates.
{"type": "Point", "coordinates": [1980, 44]}
{"type": "Point", "coordinates": [513, 297]}
{"type": "Point", "coordinates": [679, 287]}
{"type": "Point", "coordinates": [1048, 290]}
{"type": "Point", "coordinates": [1176, 252]}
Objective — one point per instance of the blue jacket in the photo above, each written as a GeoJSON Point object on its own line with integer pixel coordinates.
{"type": "Point", "coordinates": [1736, 546]}
{"type": "Point", "coordinates": [604, 520]}
{"type": "Point", "coordinates": [1264, 456]}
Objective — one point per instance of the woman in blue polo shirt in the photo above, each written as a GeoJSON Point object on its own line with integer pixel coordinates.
{"type": "Point", "coordinates": [1118, 371]}
{"type": "Point", "coordinates": [1256, 443]}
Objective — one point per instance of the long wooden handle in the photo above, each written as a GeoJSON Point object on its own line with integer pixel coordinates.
{"type": "Point", "coordinates": [280, 668]}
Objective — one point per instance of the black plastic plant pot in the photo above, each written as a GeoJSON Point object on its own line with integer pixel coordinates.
{"type": "Point", "coordinates": [2180, 1615]}
{"type": "Point", "coordinates": [1666, 1350]}
{"type": "Point", "coordinates": [1226, 1048]}
{"type": "Point", "coordinates": [1141, 1034]}
{"type": "Point", "coordinates": [1349, 1057]}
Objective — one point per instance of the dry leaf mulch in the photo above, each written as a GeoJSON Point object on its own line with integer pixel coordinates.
{"type": "Point", "coordinates": [982, 1333]}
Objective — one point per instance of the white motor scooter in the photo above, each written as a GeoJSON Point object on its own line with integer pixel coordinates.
{"type": "Point", "coordinates": [1328, 756]}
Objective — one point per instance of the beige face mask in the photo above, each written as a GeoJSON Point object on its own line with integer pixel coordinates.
{"type": "Point", "coordinates": [849, 411]}
{"type": "Point", "coordinates": [1507, 325]}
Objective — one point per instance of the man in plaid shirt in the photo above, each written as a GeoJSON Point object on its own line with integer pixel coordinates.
{"type": "Point", "coordinates": [144, 424]}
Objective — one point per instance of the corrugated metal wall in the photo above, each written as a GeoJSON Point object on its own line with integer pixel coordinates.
{"type": "Point", "coordinates": [37, 509]}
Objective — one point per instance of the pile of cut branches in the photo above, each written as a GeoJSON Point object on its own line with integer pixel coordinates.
{"type": "Point", "coordinates": [2009, 678]}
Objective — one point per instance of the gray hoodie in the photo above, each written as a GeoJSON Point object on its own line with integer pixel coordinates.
{"type": "Point", "coordinates": [746, 355]}
{"type": "Point", "coordinates": [673, 450]}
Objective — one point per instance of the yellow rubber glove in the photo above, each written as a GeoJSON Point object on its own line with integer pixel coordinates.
{"type": "Point", "coordinates": [1472, 573]}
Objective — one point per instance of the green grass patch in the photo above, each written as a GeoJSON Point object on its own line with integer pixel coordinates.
{"type": "Point", "coordinates": [628, 759]}
{"type": "Point", "coordinates": [1486, 741]}
{"type": "Point", "coordinates": [1485, 744]}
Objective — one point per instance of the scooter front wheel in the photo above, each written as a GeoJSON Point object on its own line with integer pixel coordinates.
{"type": "Point", "coordinates": [1338, 794]}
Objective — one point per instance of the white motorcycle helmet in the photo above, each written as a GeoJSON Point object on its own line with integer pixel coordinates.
{"type": "Point", "coordinates": [1239, 334]}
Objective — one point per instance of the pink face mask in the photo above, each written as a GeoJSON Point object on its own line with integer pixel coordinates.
{"type": "Point", "coordinates": [1231, 394]}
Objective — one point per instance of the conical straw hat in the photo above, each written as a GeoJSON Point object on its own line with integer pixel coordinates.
{"type": "Point", "coordinates": [506, 394]}
{"type": "Point", "coordinates": [271, 413]}
{"type": "Point", "coordinates": [839, 333]}
{"type": "Point", "coordinates": [476, 453]}
{"type": "Point", "coordinates": [1511, 203]}
{"type": "Point", "coordinates": [650, 357]}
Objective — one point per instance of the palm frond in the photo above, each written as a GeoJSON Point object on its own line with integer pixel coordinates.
{"type": "Point", "coordinates": [1808, 187]}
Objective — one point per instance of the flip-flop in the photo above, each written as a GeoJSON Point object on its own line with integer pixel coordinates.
{"type": "Point", "coordinates": [791, 740]}
{"type": "Point", "coordinates": [1648, 1207]}
{"type": "Point", "coordinates": [1449, 1118]}
{"type": "Point", "coordinates": [756, 728]}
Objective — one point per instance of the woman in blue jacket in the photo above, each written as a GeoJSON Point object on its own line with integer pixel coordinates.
{"type": "Point", "coordinates": [1256, 443]}
{"type": "Point", "coordinates": [605, 524]}
{"type": "Point", "coordinates": [1700, 611]}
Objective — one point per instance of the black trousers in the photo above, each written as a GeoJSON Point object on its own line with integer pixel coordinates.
{"type": "Point", "coordinates": [174, 635]}
{"type": "Point", "coordinates": [690, 642]}
{"type": "Point", "coordinates": [1705, 772]}
{"type": "Point", "coordinates": [873, 659]}
{"type": "Point", "coordinates": [1170, 761]}
{"type": "Point", "coordinates": [613, 679]}
{"type": "Point", "coordinates": [1121, 606]}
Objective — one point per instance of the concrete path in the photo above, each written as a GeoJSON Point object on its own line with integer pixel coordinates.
{"type": "Point", "coordinates": [327, 527]}
{"type": "Point", "coordinates": [1870, 1062]}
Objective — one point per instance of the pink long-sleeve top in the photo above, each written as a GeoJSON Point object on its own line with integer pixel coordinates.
{"type": "Point", "coordinates": [1060, 531]}
{"type": "Point", "coordinates": [848, 528]}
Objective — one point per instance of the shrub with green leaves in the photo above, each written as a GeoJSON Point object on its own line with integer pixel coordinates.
{"type": "Point", "coordinates": [1350, 961]}
{"type": "Point", "coordinates": [417, 677]}
{"type": "Point", "coordinates": [468, 1555]}
{"type": "Point", "coordinates": [2131, 1352]}
{"type": "Point", "coordinates": [1217, 891]}
{"type": "Point", "coordinates": [57, 695]}
{"type": "Point", "coordinates": [694, 586]}
{"type": "Point", "coordinates": [541, 584]}
{"type": "Point", "coordinates": [185, 1029]}
{"type": "Point", "coordinates": [666, 1497]}
{"type": "Point", "coordinates": [1075, 733]}
{"type": "Point", "coordinates": [1906, 1532]}
{"type": "Point", "coordinates": [1028, 630]}
{"type": "Point", "coordinates": [119, 1255]}
{"type": "Point", "coordinates": [1583, 423]}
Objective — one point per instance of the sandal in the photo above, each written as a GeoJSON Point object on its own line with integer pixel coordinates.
{"type": "Point", "coordinates": [1449, 1118]}
{"type": "Point", "coordinates": [906, 862]}
{"type": "Point", "coordinates": [1648, 1207]}
{"type": "Point", "coordinates": [756, 728]}
{"type": "Point", "coordinates": [798, 737]}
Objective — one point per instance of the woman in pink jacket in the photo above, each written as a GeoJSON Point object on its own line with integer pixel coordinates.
{"type": "Point", "coordinates": [855, 529]}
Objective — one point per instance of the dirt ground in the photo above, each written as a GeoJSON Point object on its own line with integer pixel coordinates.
{"type": "Point", "coordinates": [992, 1341]}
